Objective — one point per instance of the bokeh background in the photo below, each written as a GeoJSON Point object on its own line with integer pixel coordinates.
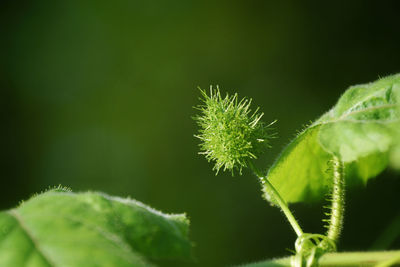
{"type": "Point", "coordinates": [99, 95]}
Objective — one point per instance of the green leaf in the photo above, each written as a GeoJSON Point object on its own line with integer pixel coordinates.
{"type": "Point", "coordinates": [90, 229]}
{"type": "Point", "coordinates": [362, 130]}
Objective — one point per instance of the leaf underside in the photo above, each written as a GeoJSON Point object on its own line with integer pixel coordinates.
{"type": "Point", "coordinates": [90, 229]}
{"type": "Point", "coordinates": [362, 130]}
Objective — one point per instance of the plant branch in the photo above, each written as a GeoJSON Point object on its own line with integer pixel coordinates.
{"type": "Point", "coordinates": [348, 259]}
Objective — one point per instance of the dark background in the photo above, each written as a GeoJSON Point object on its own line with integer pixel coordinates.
{"type": "Point", "coordinates": [98, 95]}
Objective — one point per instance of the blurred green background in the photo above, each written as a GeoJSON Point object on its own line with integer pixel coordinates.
{"type": "Point", "coordinates": [98, 95]}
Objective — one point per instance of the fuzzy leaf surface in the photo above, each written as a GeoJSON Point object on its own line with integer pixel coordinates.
{"type": "Point", "coordinates": [89, 229]}
{"type": "Point", "coordinates": [362, 130]}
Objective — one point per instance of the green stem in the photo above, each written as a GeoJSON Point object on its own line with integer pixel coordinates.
{"type": "Point", "coordinates": [345, 259]}
{"type": "Point", "coordinates": [277, 199]}
{"type": "Point", "coordinates": [337, 198]}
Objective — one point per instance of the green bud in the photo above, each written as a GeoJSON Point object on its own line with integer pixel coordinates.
{"type": "Point", "coordinates": [230, 132]}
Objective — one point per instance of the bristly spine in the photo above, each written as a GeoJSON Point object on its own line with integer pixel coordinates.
{"type": "Point", "coordinates": [231, 133]}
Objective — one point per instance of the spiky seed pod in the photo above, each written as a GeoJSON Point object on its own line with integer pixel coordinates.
{"type": "Point", "coordinates": [230, 132]}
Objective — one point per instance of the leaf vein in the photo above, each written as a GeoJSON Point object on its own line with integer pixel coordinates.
{"type": "Point", "coordinates": [28, 233]}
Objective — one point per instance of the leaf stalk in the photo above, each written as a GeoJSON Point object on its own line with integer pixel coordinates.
{"type": "Point", "coordinates": [337, 198]}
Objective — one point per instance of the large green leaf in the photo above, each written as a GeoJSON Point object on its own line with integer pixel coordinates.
{"type": "Point", "coordinates": [89, 229]}
{"type": "Point", "coordinates": [362, 130]}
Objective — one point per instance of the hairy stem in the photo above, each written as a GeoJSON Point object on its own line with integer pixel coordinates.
{"type": "Point", "coordinates": [337, 198]}
{"type": "Point", "coordinates": [347, 259]}
{"type": "Point", "coordinates": [278, 200]}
